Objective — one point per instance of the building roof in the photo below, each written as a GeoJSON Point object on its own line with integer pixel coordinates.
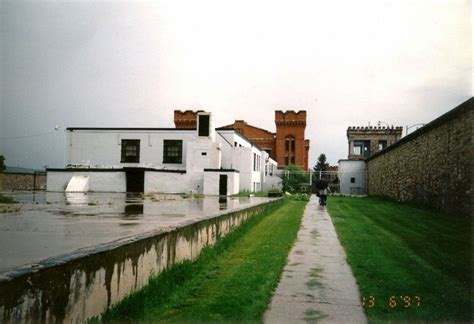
{"type": "Point", "coordinates": [232, 126]}
{"type": "Point", "coordinates": [130, 128]}
{"type": "Point", "coordinates": [240, 134]}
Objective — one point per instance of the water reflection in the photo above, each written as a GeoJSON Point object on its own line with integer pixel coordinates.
{"type": "Point", "coordinates": [222, 203]}
{"type": "Point", "coordinates": [132, 197]}
{"type": "Point", "coordinates": [61, 222]}
{"type": "Point", "coordinates": [76, 198]}
{"type": "Point", "coordinates": [133, 209]}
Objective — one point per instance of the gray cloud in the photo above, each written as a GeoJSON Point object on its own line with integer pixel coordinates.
{"type": "Point", "coordinates": [83, 63]}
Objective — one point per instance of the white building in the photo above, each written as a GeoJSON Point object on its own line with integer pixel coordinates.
{"type": "Point", "coordinates": [166, 160]}
{"type": "Point", "coordinates": [352, 176]}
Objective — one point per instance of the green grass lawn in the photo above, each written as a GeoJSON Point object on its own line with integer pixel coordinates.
{"type": "Point", "coordinates": [410, 263]}
{"type": "Point", "coordinates": [231, 281]}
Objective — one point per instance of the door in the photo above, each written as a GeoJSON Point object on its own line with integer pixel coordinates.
{"type": "Point", "coordinates": [135, 178]}
{"type": "Point", "coordinates": [223, 185]}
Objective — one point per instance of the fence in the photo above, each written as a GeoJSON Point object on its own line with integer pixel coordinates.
{"type": "Point", "coordinates": [348, 182]}
{"type": "Point", "coordinates": [10, 181]}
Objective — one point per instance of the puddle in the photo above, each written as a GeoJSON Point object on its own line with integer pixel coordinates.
{"type": "Point", "coordinates": [51, 223]}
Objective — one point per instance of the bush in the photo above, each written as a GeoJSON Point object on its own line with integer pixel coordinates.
{"type": "Point", "coordinates": [7, 200]}
{"type": "Point", "coordinates": [294, 179]}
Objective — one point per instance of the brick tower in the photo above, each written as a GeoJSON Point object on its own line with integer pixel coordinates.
{"type": "Point", "coordinates": [291, 147]}
{"type": "Point", "coordinates": [186, 119]}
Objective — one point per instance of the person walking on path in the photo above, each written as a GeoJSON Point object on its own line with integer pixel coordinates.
{"type": "Point", "coordinates": [323, 196]}
{"type": "Point", "coordinates": [317, 284]}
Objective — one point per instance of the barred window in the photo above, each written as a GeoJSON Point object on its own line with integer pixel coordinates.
{"type": "Point", "coordinates": [130, 151]}
{"type": "Point", "coordinates": [172, 151]}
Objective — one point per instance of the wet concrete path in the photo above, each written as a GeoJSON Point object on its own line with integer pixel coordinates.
{"type": "Point", "coordinates": [317, 284]}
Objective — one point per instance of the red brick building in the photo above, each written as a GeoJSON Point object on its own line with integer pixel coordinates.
{"type": "Point", "coordinates": [286, 146]}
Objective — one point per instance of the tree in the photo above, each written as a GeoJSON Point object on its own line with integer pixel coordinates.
{"type": "Point", "coordinates": [2, 163]}
{"type": "Point", "coordinates": [322, 165]}
{"type": "Point", "coordinates": [293, 178]}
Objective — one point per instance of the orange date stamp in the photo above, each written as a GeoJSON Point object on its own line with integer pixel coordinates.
{"type": "Point", "coordinates": [393, 301]}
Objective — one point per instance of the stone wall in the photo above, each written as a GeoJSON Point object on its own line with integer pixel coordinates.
{"type": "Point", "coordinates": [22, 181]}
{"type": "Point", "coordinates": [432, 166]}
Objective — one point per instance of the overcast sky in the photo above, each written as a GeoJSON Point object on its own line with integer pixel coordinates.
{"type": "Point", "coordinates": [347, 63]}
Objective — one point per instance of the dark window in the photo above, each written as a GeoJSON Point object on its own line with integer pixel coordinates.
{"type": "Point", "coordinates": [362, 148]}
{"type": "Point", "coordinates": [172, 151]}
{"type": "Point", "coordinates": [382, 145]}
{"type": "Point", "coordinates": [203, 153]}
{"type": "Point", "coordinates": [203, 125]}
{"type": "Point", "coordinates": [353, 180]}
{"type": "Point", "coordinates": [235, 144]}
{"type": "Point", "coordinates": [289, 150]}
{"type": "Point", "coordinates": [130, 151]}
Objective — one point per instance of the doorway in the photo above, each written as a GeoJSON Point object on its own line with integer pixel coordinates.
{"type": "Point", "coordinates": [223, 185]}
{"type": "Point", "coordinates": [135, 178]}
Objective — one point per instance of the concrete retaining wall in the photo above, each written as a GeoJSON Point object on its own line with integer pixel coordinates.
{"type": "Point", "coordinates": [78, 286]}
{"type": "Point", "coordinates": [22, 181]}
{"type": "Point", "coordinates": [432, 166]}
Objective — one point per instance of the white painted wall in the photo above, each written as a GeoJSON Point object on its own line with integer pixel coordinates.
{"type": "Point", "coordinates": [98, 181]}
{"type": "Point", "coordinates": [103, 147]}
{"type": "Point", "coordinates": [352, 169]}
{"type": "Point", "coordinates": [202, 154]}
{"type": "Point", "coordinates": [211, 182]}
{"type": "Point", "coordinates": [168, 182]}
{"type": "Point", "coordinates": [230, 142]}
{"type": "Point", "coordinates": [257, 177]}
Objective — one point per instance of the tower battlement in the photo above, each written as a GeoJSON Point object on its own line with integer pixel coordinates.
{"type": "Point", "coordinates": [186, 119]}
{"type": "Point", "coordinates": [290, 117]}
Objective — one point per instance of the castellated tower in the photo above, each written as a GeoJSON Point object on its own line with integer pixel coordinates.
{"type": "Point", "coordinates": [366, 141]}
{"type": "Point", "coordinates": [291, 147]}
{"type": "Point", "coordinates": [186, 119]}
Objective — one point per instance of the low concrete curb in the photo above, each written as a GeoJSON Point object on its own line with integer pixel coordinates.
{"type": "Point", "coordinates": [317, 283]}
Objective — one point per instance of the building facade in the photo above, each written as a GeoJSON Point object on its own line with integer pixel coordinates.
{"type": "Point", "coordinates": [363, 142]}
{"type": "Point", "coordinates": [195, 159]}
{"type": "Point", "coordinates": [366, 141]}
{"type": "Point", "coordinates": [287, 145]}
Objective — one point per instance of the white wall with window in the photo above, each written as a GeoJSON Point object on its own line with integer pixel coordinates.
{"type": "Point", "coordinates": [162, 159]}
{"type": "Point", "coordinates": [352, 176]}
{"type": "Point", "coordinates": [116, 148]}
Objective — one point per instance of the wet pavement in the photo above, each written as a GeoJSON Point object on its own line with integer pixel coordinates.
{"type": "Point", "coordinates": [53, 224]}
{"type": "Point", "coordinates": [317, 284]}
